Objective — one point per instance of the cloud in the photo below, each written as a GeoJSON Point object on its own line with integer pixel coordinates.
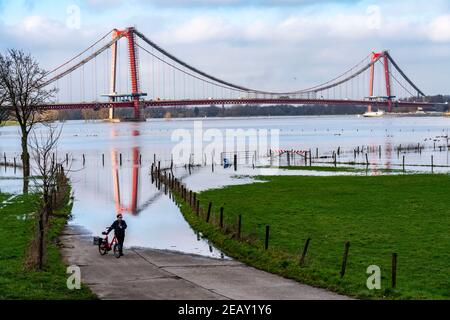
{"type": "Point", "coordinates": [202, 29]}
{"type": "Point", "coordinates": [439, 29]}
{"type": "Point", "coordinates": [262, 45]}
{"type": "Point", "coordinates": [237, 3]}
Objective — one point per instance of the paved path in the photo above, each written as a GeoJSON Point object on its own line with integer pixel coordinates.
{"type": "Point", "coordinates": [154, 274]}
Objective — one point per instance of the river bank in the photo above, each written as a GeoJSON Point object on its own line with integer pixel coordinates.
{"type": "Point", "coordinates": [377, 215]}
{"type": "Point", "coordinates": [17, 223]}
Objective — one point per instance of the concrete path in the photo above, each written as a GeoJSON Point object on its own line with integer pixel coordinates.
{"type": "Point", "coordinates": [144, 274]}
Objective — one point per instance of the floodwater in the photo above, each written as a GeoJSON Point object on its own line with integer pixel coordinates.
{"type": "Point", "coordinates": [115, 174]}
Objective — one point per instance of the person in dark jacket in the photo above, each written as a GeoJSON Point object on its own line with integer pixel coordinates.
{"type": "Point", "coordinates": [119, 227]}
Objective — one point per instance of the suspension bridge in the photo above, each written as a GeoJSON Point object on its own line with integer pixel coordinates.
{"type": "Point", "coordinates": [141, 74]}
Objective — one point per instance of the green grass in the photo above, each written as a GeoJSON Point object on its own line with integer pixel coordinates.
{"type": "Point", "coordinates": [15, 234]}
{"type": "Point", "coordinates": [322, 169]}
{"type": "Point", "coordinates": [379, 215]}
{"type": "Point", "coordinates": [339, 169]}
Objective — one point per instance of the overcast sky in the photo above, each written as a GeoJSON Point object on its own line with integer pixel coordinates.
{"type": "Point", "coordinates": [267, 44]}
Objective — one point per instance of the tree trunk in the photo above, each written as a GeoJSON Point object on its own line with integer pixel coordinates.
{"type": "Point", "coordinates": [25, 161]}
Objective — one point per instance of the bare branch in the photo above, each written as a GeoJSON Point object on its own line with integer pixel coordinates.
{"type": "Point", "coordinates": [22, 94]}
{"type": "Point", "coordinates": [43, 150]}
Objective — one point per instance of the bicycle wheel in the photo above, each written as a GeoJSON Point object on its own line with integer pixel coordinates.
{"type": "Point", "coordinates": [116, 251]}
{"type": "Point", "coordinates": [102, 248]}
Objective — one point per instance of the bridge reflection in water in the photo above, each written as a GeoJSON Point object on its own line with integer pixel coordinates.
{"type": "Point", "coordinates": [132, 208]}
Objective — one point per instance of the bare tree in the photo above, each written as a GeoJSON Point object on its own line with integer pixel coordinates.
{"type": "Point", "coordinates": [4, 112]}
{"type": "Point", "coordinates": [48, 181]}
{"type": "Point", "coordinates": [21, 80]}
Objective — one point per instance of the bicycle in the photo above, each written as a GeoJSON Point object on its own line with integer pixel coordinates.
{"type": "Point", "coordinates": [104, 246]}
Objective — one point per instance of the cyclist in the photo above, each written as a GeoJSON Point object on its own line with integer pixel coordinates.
{"type": "Point", "coordinates": [119, 227]}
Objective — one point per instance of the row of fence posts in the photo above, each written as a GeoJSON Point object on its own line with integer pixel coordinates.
{"type": "Point", "coordinates": [289, 154]}
{"type": "Point", "coordinates": [290, 157]}
{"type": "Point", "coordinates": [378, 149]}
{"type": "Point", "coordinates": [173, 185]}
{"type": "Point", "coordinates": [302, 261]}
{"type": "Point", "coordinates": [189, 166]}
{"type": "Point", "coordinates": [83, 156]}
{"type": "Point", "coordinates": [6, 164]}
{"type": "Point", "coordinates": [308, 158]}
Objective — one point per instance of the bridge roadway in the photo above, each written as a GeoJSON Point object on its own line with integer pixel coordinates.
{"type": "Point", "coordinates": [145, 274]}
{"type": "Point", "coordinates": [205, 102]}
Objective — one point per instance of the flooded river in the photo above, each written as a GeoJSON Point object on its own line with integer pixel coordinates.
{"type": "Point", "coordinates": [115, 173]}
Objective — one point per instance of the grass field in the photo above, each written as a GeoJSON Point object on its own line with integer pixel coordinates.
{"type": "Point", "coordinates": [338, 169]}
{"type": "Point", "coordinates": [16, 230]}
{"type": "Point", "coordinates": [379, 215]}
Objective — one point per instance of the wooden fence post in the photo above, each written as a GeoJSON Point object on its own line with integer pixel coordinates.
{"type": "Point", "coordinates": [266, 243]}
{"type": "Point", "coordinates": [221, 218]}
{"type": "Point", "coordinates": [305, 250]}
{"type": "Point", "coordinates": [394, 270]}
{"type": "Point", "coordinates": [195, 198]}
{"type": "Point", "coordinates": [208, 215]}
{"type": "Point", "coordinates": [239, 226]}
{"type": "Point", "coordinates": [344, 258]}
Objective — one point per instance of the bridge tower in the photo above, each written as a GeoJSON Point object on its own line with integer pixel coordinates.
{"type": "Point", "coordinates": [134, 71]}
{"type": "Point", "coordinates": [374, 57]}
{"type": "Point", "coordinates": [112, 85]}
{"type": "Point", "coordinates": [134, 62]}
{"type": "Point", "coordinates": [387, 76]}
